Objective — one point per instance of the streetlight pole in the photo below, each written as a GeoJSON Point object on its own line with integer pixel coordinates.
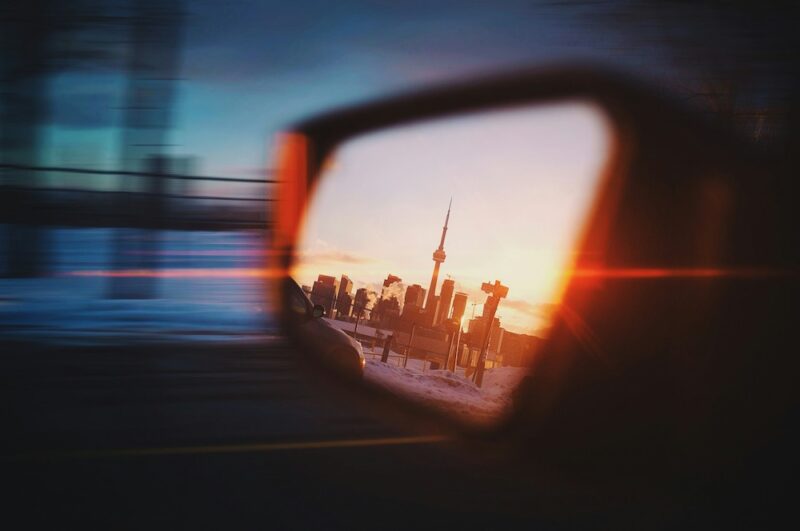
{"type": "Point", "coordinates": [458, 344]}
{"type": "Point", "coordinates": [359, 311]}
{"type": "Point", "coordinates": [496, 292]}
{"type": "Point", "coordinates": [450, 326]}
{"type": "Point", "coordinates": [410, 343]}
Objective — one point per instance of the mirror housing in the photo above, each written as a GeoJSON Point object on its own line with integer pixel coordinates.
{"type": "Point", "coordinates": [677, 252]}
{"type": "Point", "coordinates": [318, 311]}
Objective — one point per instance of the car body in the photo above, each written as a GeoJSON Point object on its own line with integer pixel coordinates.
{"type": "Point", "coordinates": [319, 339]}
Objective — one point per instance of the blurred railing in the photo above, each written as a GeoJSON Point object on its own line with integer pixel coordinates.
{"type": "Point", "coordinates": [133, 199]}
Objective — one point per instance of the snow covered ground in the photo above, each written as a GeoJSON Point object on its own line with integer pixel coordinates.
{"type": "Point", "coordinates": [450, 392]}
{"type": "Point", "coordinates": [210, 296]}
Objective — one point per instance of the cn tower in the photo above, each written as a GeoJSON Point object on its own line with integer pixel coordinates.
{"type": "Point", "coordinates": [438, 258]}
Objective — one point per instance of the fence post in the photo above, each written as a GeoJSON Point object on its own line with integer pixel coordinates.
{"type": "Point", "coordinates": [387, 345]}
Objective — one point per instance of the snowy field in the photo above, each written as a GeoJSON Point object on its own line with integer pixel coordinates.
{"type": "Point", "coordinates": [450, 392]}
{"type": "Point", "coordinates": [204, 291]}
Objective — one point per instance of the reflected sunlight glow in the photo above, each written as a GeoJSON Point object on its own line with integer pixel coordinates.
{"type": "Point", "coordinates": [521, 180]}
{"type": "Point", "coordinates": [181, 273]}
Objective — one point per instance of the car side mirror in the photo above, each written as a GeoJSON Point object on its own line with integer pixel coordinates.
{"type": "Point", "coordinates": [654, 187]}
{"type": "Point", "coordinates": [318, 311]}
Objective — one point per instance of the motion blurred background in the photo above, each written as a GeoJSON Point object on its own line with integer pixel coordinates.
{"type": "Point", "coordinates": [135, 135]}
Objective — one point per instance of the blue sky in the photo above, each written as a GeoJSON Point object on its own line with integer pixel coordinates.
{"type": "Point", "coordinates": [249, 68]}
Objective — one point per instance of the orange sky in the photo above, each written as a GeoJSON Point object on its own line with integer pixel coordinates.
{"type": "Point", "coordinates": [521, 181]}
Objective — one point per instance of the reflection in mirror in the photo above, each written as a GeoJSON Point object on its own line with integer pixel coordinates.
{"type": "Point", "coordinates": [441, 246]}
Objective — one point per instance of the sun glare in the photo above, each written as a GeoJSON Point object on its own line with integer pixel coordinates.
{"type": "Point", "coordinates": [520, 180]}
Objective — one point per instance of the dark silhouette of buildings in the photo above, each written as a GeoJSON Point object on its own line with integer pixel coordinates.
{"type": "Point", "coordinates": [412, 313]}
{"type": "Point", "coordinates": [459, 305]}
{"type": "Point", "coordinates": [415, 294]}
{"type": "Point", "coordinates": [445, 297]}
{"type": "Point", "coordinates": [518, 350]}
{"type": "Point", "coordinates": [385, 310]}
{"type": "Point", "coordinates": [344, 301]}
{"type": "Point", "coordinates": [427, 323]}
{"type": "Point", "coordinates": [477, 331]}
{"type": "Point", "coordinates": [323, 292]}
{"type": "Point", "coordinates": [429, 317]}
{"type": "Point", "coordinates": [360, 301]}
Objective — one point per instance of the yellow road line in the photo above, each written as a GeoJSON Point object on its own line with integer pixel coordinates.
{"type": "Point", "coordinates": [230, 448]}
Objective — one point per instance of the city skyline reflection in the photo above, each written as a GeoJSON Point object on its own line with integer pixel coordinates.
{"type": "Point", "coordinates": [519, 181]}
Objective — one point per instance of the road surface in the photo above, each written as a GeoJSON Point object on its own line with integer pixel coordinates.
{"type": "Point", "coordinates": [235, 436]}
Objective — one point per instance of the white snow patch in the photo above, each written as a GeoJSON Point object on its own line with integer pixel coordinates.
{"type": "Point", "coordinates": [447, 391]}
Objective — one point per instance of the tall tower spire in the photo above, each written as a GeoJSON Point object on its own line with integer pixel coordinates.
{"type": "Point", "coordinates": [444, 229]}
{"type": "Point", "coordinates": [438, 257]}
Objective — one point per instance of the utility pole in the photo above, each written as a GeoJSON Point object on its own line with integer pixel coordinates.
{"type": "Point", "coordinates": [454, 328]}
{"type": "Point", "coordinates": [496, 292]}
{"type": "Point", "coordinates": [387, 345]}
{"type": "Point", "coordinates": [359, 311]}
{"type": "Point", "coordinates": [410, 343]}
{"type": "Point", "coordinates": [458, 344]}
{"type": "Point", "coordinates": [452, 333]}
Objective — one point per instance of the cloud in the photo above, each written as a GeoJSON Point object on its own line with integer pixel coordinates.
{"type": "Point", "coordinates": [335, 256]}
{"type": "Point", "coordinates": [543, 310]}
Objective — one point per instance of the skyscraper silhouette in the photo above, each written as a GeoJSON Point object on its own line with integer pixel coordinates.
{"type": "Point", "coordinates": [459, 305]}
{"type": "Point", "coordinates": [446, 295]}
{"type": "Point", "coordinates": [438, 258]}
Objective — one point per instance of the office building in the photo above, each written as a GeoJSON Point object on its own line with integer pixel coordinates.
{"type": "Point", "coordinates": [344, 300]}
{"type": "Point", "coordinates": [459, 305]}
{"type": "Point", "coordinates": [323, 292]}
{"type": "Point", "coordinates": [415, 294]}
{"type": "Point", "coordinates": [445, 297]}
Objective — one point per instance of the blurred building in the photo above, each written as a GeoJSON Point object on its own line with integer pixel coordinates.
{"type": "Point", "coordinates": [153, 60]}
{"type": "Point", "coordinates": [186, 165]}
{"type": "Point", "coordinates": [323, 292]}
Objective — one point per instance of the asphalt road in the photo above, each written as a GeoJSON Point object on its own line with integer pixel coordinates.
{"type": "Point", "coordinates": [226, 437]}
{"type": "Point", "coordinates": [243, 436]}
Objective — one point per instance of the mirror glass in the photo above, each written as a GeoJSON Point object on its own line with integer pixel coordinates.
{"type": "Point", "coordinates": [441, 247]}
